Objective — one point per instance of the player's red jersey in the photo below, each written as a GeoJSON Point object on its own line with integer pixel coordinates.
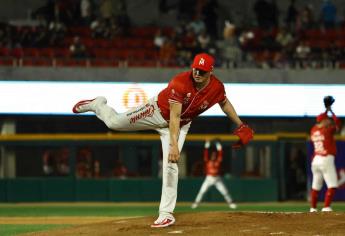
{"type": "Point", "coordinates": [323, 137]}
{"type": "Point", "coordinates": [181, 89]}
{"type": "Point", "coordinates": [213, 167]}
{"type": "Point", "coordinates": [323, 140]}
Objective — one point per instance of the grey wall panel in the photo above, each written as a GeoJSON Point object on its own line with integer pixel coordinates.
{"type": "Point", "coordinates": [164, 75]}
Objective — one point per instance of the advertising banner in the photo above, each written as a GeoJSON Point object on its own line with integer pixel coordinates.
{"type": "Point", "coordinates": [268, 100]}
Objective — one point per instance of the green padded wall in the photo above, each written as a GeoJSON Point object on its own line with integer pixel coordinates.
{"type": "Point", "coordinates": [127, 190]}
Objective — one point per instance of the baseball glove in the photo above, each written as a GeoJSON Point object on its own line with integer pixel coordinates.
{"type": "Point", "coordinates": [245, 133]}
{"type": "Point", "coordinates": [328, 101]}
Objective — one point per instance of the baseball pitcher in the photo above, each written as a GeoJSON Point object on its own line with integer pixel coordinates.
{"type": "Point", "coordinates": [187, 95]}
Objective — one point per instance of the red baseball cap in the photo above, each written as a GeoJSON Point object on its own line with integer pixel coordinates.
{"type": "Point", "coordinates": [203, 61]}
{"type": "Point", "coordinates": [322, 117]}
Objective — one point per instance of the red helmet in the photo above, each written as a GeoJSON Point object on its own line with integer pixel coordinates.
{"type": "Point", "coordinates": [203, 61]}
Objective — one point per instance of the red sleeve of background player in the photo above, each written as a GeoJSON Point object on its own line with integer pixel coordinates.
{"type": "Point", "coordinates": [219, 156]}
{"type": "Point", "coordinates": [336, 121]}
{"type": "Point", "coordinates": [176, 91]}
{"type": "Point", "coordinates": [206, 157]}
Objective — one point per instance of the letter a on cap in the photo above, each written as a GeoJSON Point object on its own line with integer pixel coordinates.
{"type": "Point", "coordinates": [202, 61]}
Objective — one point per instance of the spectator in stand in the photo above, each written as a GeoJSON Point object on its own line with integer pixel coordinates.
{"type": "Point", "coordinates": [77, 49]}
{"type": "Point", "coordinates": [305, 19]}
{"type": "Point", "coordinates": [230, 52]}
{"type": "Point", "coordinates": [330, 57]}
{"type": "Point", "coordinates": [204, 41]}
{"type": "Point", "coordinates": [197, 26]}
{"type": "Point", "coordinates": [265, 59]}
{"type": "Point", "coordinates": [159, 40]}
{"type": "Point", "coordinates": [285, 40]}
{"type": "Point", "coordinates": [302, 55]}
{"type": "Point", "coordinates": [328, 14]}
{"type": "Point", "coordinates": [57, 32]}
{"type": "Point", "coordinates": [291, 16]}
{"type": "Point", "coordinates": [181, 29]}
{"type": "Point", "coordinates": [183, 56]}
{"type": "Point", "coordinates": [99, 29]}
{"type": "Point", "coordinates": [246, 39]}
{"type": "Point", "coordinates": [167, 53]}
{"type": "Point", "coordinates": [86, 12]}
{"type": "Point", "coordinates": [335, 55]}
{"type": "Point", "coordinates": [280, 60]}
{"type": "Point", "coordinates": [190, 42]}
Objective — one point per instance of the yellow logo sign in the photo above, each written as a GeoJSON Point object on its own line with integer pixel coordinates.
{"type": "Point", "coordinates": [133, 97]}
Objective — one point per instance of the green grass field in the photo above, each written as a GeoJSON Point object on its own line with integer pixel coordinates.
{"type": "Point", "coordinates": [123, 210]}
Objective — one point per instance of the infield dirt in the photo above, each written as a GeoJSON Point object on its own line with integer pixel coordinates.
{"type": "Point", "coordinates": [217, 223]}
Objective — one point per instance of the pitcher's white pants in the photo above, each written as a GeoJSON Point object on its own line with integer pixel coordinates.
{"type": "Point", "coordinates": [170, 170]}
{"type": "Point", "coordinates": [323, 168]}
{"type": "Point", "coordinates": [145, 117]}
{"type": "Point", "coordinates": [209, 182]}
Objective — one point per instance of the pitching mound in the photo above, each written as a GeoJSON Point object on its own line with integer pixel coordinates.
{"type": "Point", "coordinates": [219, 223]}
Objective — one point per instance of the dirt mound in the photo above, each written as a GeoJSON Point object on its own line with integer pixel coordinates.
{"type": "Point", "coordinates": [219, 223]}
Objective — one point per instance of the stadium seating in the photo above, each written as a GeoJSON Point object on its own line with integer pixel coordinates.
{"type": "Point", "coordinates": [137, 48]}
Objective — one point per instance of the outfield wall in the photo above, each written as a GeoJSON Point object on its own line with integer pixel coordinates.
{"type": "Point", "coordinates": [127, 190]}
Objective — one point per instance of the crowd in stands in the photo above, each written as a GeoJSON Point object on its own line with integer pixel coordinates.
{"type": "Point", "coordinates": [100, 33]}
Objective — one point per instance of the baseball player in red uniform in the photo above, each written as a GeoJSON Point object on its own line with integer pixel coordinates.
{"type": "Point", "coordinates": [187, 95]}
{"type": "Point", "coordinates": [213, 157]}
{"type": "Point", "coordinates": [322, 165]}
